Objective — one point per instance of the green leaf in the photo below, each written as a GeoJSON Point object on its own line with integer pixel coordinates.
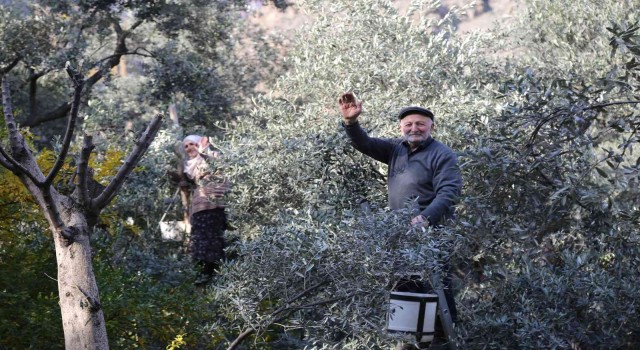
{"type": "Point", "coordinates": [602, 173]}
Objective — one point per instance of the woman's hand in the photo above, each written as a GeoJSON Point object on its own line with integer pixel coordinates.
{"type": "Point", "coordinates": [203, 144]}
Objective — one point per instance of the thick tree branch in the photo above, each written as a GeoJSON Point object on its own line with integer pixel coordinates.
{"type": "Point", "coordinates": [57, 113]}
{"type": "Point", "coordinates": [112, 61]}
{"type": "Point", "coordinates": [32, 82]}
{"type": "Point", "coordinates": [10, 66]}
{"type": "Point", "coordinates": [7, 109]}
{"type": "Point", "coordinates": [132, 160]}
{"type": "Point", "coordinates": [71, 125]}
{"type": "Point", "coordinates": [8, 162]}
{"type": "Point", "coordinates": [137, 52]}
{"type": "Point", "coordinates": [21, 155]}
{"type": "Point", "coordinates": [119, 51]}
{"type": "Point", "coordinates": [5, 162]}
{"type": "Point", "coordinates": [83, 173]}
{"type": "Point", "coordinates": [15, 139]}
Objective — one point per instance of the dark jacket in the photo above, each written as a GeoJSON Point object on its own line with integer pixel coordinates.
{"type": "Point", "coordinates": [430, 175]}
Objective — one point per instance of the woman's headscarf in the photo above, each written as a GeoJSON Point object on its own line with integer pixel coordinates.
{"type": "Point", "coordinates": [193, 138]}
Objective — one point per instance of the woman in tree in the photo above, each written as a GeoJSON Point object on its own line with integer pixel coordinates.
{"type": "Point", "coordinates": [207, 186]}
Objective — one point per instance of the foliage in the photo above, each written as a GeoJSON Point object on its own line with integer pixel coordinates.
{"type": "Point", "coordinates": [30, 314]}
{"type": "Point", "coordinates": [550, 206]}
{"type": "Point", "coordinates": [137, 57]}
{"type": "Point", "coordinates": [567, 36]}
{"type": "Point", "coordinates": [328, 280]}
{"type": "Point", "coordinates": [551, 202]}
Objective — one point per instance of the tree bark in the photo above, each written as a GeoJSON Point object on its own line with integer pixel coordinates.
{"type": "Point", "coordinates": [82, 315]}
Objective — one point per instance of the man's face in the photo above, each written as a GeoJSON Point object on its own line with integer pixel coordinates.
{"type": "Point", "coordinates": [416, 128]}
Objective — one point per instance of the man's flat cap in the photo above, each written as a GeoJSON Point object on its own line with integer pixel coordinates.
{"type": "Point", "coordinates": [415, 110]}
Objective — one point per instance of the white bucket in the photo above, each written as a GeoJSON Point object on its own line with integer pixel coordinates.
{"type": "Point", "coordinates": [413, 313]}
{"type": "Point", "coordinates": [174, 230]}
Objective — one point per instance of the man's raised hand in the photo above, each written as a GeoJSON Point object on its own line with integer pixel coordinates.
{"type": "Point", "coordinates": [349, 107]}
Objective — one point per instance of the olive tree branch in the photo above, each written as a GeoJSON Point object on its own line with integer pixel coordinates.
{"type": "Point", "coordinates": [109, 62]}
{"type": "Point", "coordinates": [5, 162]}
{"type": "Point", "coordinates": [10, 66]}
{"type": "Point", "coordinates": [285, 307]}
{"type": "Point", "coordinates": [140, 147]}
{"type": "Point", "coordinates": [71, 125]}
{"type": "Point", "coordinates": [82, 170]}
{"type": "Point", "coordinates": [15, 139]}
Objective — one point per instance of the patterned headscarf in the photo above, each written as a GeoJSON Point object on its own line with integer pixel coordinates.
{"type": "Point", "coordinates": [193, 138]}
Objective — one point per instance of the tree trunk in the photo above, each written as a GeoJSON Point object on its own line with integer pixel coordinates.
{"type": "Point", "coordinates": [82, 317]}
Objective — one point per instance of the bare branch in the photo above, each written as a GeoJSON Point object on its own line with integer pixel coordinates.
{"type": "Point", "coordinates": [82, 171]}
{"type": "Point", "coordinates": [8, 162]}
{"type": "Point", "coordinates": [137, 52]}
{"type": "Point", "coordinates": [135, 25]}
{"type": "Point", "coordinates": [5, 162]}
{"type": "Point", "coordinates": [51, 207]}
{"type": "Point", "coordinates": [71, 125]}
{"type": "Point", "coordinates": [110, 62]}
{"type": "Point", "coordinates": [15, 139]}
{"type": "Point", "coordinates": [10, 66]}
{"type": "Point", "coordinates": [132, 160]}
{"type": "Point", "coordinates": [57, 113]}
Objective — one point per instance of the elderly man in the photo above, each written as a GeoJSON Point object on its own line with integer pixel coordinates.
{"type": "Point", "coordinates": [422, 171]}
{"type": "Point", "coordinates": [420, 168]}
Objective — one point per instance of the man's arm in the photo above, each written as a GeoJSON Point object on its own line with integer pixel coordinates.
{"type": "Point", "coordinates": [447, 185]}
{"type": "Point", "coordinates": [378, 149]}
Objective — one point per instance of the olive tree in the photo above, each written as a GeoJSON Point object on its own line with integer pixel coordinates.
{"type": "Point", "coordinates": [71, 217]}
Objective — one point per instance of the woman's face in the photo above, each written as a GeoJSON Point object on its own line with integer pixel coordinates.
{"type": "Point", "coordinates": [191, 149]}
